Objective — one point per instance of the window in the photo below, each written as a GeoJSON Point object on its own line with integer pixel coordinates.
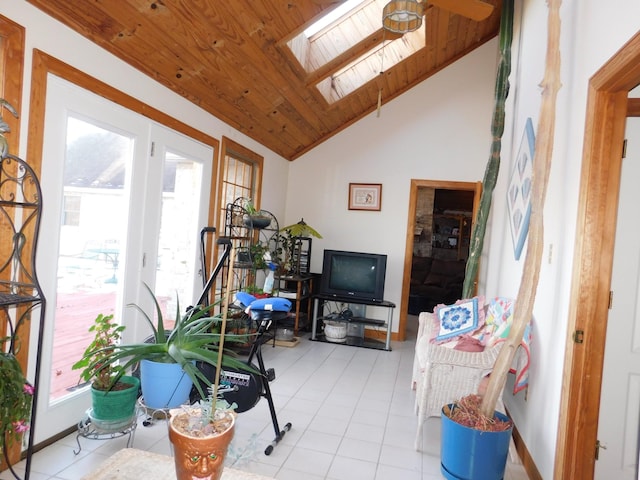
{"type": "Point", "coordinates": [71, 210]}
{"type": "Point", "coordinates": [240, 176]}
{"type": "Point", "coordinates": [347, 48]}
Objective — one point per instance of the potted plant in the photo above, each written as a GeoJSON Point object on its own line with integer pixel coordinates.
{"type": "Point", "coordinates": [113, 394]}
{"type": "Point", "coordinates": [16, 399]}
{"type": "Point", "coordinates": [200, 435]}
{"type": "Point", "coordinates": [168, 358]}
{"type": "Point", "coordinates": [254, 217]}
{"type": "Point", "coordinates": [463, 424]}
{"type": "Point", "coordinates": [291, 240]}
{"type": "Point", "coordinates": [523, 305]}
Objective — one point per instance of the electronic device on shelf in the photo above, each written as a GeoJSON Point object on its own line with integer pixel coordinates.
{"type": "Point", "coordinates": [353, 275]}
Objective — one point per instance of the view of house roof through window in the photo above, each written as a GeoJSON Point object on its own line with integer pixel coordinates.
{"type": "Point", "coordinates": [347, 48]}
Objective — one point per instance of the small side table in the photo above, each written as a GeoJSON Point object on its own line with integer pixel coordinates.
{"type": "Point", "coordinates": [303, 290]}
{"type": "Point", "coordinates": [87, 428]}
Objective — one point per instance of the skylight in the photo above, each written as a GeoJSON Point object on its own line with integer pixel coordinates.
{"type": "Point", "coordinates": [370, 65]}
{"type": "Point", "coordinates": [343, 51]}
{"type": "Point", "coordinates": [332, 16]}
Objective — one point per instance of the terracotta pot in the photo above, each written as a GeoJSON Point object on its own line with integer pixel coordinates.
{"type": "Point", "coordinates": [199, 458]}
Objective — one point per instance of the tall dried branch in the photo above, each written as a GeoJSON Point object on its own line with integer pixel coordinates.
{"type": "Point", "coordinates": [523, 307]}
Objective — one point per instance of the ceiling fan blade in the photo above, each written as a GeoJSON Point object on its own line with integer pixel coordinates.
{"type": "Point", "coordinates": [473, 9]}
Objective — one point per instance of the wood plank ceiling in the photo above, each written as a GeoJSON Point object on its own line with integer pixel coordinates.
{"type": "Point", "coordinates": [231, 58]}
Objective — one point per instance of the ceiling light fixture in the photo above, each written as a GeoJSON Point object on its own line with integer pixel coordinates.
{"type": "Point", "coordinates": [402, 16]}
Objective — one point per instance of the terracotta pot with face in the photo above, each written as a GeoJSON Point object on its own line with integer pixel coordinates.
{"type": "Point", "coordinates": [200, 457]}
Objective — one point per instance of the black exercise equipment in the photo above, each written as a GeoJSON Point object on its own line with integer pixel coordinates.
{"type": "Point", "coordinates": [246, 387]}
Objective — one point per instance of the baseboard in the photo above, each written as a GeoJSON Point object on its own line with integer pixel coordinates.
{"type": "Point", "coordinates": [525, 456]}
{"type": "Point", "coordinates": [377, 334]}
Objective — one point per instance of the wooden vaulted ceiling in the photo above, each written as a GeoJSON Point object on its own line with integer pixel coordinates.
{"type": "Point", "coordinates": [231, 59]}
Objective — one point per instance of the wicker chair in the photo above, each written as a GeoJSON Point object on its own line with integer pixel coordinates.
{"type": "Point", "coordinates": [442, 375]}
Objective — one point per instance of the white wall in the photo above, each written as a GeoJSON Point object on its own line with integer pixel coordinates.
{"type": "Point", "coordinates": [440, 130]}
{"type": "Point", "coordinates": [591, 33]}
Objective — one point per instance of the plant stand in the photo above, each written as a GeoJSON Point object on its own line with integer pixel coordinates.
{"type": "Point", "coordinates": [88, 429]}
{"type": "Point", "coordinates": [152, 414]}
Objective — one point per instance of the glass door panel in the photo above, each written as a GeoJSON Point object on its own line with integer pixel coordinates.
{"type": "Point", "coordinates": [186, 167]}
{"type": "Point", "coordinates": [178, 239]}
{"type": "Point", "coordinates": [92, 149]}
{"type": "Point", "coordinates": [92, 228]}
{"type": "Point", "coordinates": [125, 200]}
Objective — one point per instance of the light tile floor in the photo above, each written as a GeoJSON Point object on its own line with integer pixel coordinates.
{"type": "Point", "coordinates": [352, 412]}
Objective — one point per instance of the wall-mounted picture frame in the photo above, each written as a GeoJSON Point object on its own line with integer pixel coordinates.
{"type": "Point", "coordinates": [519, 191]}
{"type": "Point", "coordinates": [365, 196]}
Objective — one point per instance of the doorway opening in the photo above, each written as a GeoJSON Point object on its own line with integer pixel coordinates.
{"type": "Point", "coordinates": [439, 225]}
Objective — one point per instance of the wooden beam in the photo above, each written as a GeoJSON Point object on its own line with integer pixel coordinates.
{"type": "Point", "coordinates": [633, 107]}
{"type": "Point", "coordinates": [349, 55]}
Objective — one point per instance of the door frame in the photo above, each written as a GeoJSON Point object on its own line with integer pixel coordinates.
{"type": "Point", "coordinates": [42, 65]}
{"type": "Point", "coordinates": [607, 110]}
{"type": "Point", "coordinates": [416, 184]}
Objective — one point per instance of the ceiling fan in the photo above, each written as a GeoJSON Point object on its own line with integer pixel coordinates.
{"type": "Point", "coordinates": [402, 16]}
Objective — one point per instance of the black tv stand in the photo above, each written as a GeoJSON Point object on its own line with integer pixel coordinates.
{"type": "Point", "coordinates": [354, 341]}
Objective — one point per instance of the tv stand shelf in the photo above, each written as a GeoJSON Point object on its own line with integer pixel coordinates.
{"type": "Point", "coordinates": [353, 341]}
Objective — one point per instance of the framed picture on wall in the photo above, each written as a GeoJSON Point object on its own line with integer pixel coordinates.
{"type": "Point", "coordinates": [519, 191]}
{"type": "Point", "coordinates": [365, 196]}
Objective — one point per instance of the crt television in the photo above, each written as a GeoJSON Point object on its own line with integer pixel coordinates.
{"type": "Point", "coordinates": [353, 275]}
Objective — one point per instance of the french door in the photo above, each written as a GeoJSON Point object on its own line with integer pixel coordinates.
{"type": "Point", "coordinates": [125, 199]}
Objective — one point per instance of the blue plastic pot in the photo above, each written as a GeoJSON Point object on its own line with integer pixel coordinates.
{"type": "Point", "coordinates": [469, 454]}
{"type": "Point", "coordinates": [164, 385]}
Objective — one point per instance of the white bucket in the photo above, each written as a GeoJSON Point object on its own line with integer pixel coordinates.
{"type": "Point", "coordinates": [335, 331]}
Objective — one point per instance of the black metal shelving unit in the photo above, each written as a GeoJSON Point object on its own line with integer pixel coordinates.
{"type": "Point", "coordinates": [21, 296]}
{"type": "Point", "coordinates": [245, 236]}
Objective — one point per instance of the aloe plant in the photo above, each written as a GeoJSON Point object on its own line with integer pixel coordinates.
{"type": "Point", "coordinates": [192, 339]}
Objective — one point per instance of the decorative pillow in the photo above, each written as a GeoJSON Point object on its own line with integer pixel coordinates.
{"type": "Point", "coordinates": [459, 318]}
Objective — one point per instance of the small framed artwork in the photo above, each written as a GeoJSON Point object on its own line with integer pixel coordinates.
{"type": "Point", "coordinates": [519, 191]}
{"type": "Point", "coordinates": [365, 196]}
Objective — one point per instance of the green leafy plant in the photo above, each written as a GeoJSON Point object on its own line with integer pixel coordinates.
{"type": "Point", "coordinates": [290, 243]}
{"type": "Point", "coordinates": [192, 338]}
{"type": "Point", "coordinates": [103, 374]}
{"type": "Point", "coordinates": [249, 207]}
{"type": "Point", "coordinates": [259, 259]}
{"type": "Point", "coordinates": [4, 126]}
{"type": "Point", "coordinates": [16, 398]}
